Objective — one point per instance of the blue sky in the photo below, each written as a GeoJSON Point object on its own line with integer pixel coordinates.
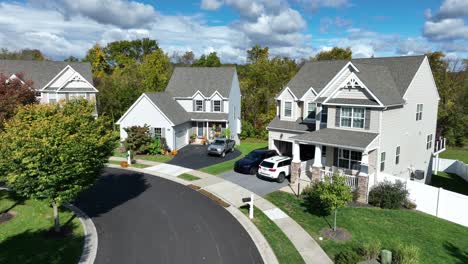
{"type": "Point", "coordinates": [294, 28]}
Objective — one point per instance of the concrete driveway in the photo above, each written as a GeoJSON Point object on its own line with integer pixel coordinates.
{"type": "Point", "coordinates": [261, 187]}
{"type": "Point", "coordinates": [145, 219]}
{"type": "Point", "coordinates": [195, 157]}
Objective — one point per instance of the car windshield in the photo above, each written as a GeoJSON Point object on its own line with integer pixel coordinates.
{"type": "Point", "coordinates": [267, 164]}
{"type": "Point", "coordinates": [253, 155]}
{"type": "Point", "coordinates": [218, 142]}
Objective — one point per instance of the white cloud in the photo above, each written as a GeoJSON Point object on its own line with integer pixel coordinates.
{"type": "Point", "coordinates": [316, 4]}
{"type": "Point", "coordinates": [121, 13]}
{"type": "Point", "coordinates": [453, 9]}
{"type": "Point", "coordinates": [211, 4]}
{"type": "Point", "coordinates": [446, 29]}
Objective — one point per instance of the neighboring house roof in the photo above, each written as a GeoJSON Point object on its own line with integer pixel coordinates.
{"type": "Point", "coordinates": [388, 77]}
{"type": "Point", "coordinates": [207, 116]}
{"type": "Point", "coordinates": [338, 137]}
{"type": "Point", "coordinates": [297, 125]}
{"type": "Point", "coordinates": [42, 72]}
{"type": "Point", "coordinates": [351, 101]}
{"type": "Point", "coordinates": [169, 107]}
{"type": "Point", "coordinates": [186, 81]}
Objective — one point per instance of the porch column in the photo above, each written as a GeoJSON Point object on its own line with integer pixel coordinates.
{"type": "Point", "coordinates": [207, 135]}
{"type": "Point", "coordinates": [296, 163]}
{"type": "Point", "coordinates": [317, 166]}
{"type": "Point", "coordinates": [318, 116]}
{"type": "Point", "coordinates": [363, 178]}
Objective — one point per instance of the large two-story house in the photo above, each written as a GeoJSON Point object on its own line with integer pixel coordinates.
{"type": "Point", "coordinates": [361, 117]}
{"type": "Point", "coordinates": [198, 101]}
{"type": "Point", "coordinates": [53, 80]}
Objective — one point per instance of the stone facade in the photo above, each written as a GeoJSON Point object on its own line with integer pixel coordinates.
{"type": "Point", "coordinates": [295, 171]}
{"type": "Point", "coordinates": [316, 174]}
{"type": "Point", "coordinates": [363, 182]}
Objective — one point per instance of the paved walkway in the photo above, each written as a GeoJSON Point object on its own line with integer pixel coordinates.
{"type": "Point", "coordinates": [232, 193]}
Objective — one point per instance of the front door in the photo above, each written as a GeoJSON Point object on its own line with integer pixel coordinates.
{"type": "Point", "coordinates": [200, 129]}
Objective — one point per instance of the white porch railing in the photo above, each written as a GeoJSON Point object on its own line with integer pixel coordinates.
{"type": "Point", "coordinates": [351, 181]}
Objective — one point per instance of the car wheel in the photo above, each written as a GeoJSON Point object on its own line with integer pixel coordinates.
{"type": "Point", "coordinates": [253, 170]}
{"type": "Point", "coordinates": [223, 154]}
{"type": "Point", "coordinates": [281, 177]}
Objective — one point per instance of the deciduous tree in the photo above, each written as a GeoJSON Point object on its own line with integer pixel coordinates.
{"type": "Point", "coordinates": [335, 53]}
{"type": "Point", "coordinates": [14, 92]}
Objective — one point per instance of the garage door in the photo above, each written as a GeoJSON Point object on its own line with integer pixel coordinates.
{"type": "Point", "coordinates": [284, 147]}
{"type": "Point", "coordinates": [181, 138]}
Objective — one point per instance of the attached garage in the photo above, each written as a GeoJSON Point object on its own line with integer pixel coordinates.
{"type": "Point", "coordinates": [284, 147]}
{"type": "Point", "coordinates": [180, 138]}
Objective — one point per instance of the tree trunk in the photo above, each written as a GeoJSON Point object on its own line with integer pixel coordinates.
{"type": "Point", "coordinates": [334, 223]}
{"type": "Point", "coordinates": [56, 217]}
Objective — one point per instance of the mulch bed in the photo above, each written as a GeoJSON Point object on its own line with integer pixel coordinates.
{"type": "Point", "coordinates": [5, 217]}
{"type": "Point", "coordinates": [340, 235]}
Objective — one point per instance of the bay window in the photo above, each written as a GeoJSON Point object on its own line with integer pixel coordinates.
{"type": "Point", "coordinates": [352, 117]}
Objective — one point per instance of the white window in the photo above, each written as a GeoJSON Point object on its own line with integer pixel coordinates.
{"type": "Point", "coordinates": [419, 111]}
{"type": "Point", "coordinates": [429, 141]}
{"type": "Point", "coordinates": [397, 155]}
{"type": "Point", "coordinates": [324, 116]}
{"type": "Point", "coordinates": [76, 95]}
{"type": "Point", "coordinates": [157, 132]}
{"type": "Point", "coordinates": [52, 98]}
{"type": "Point", "coordinates": [287, 109]}
{"type": "Point", "coordinates": [311, 110]}
{"type": "Point", "coordinates": [352, 117]}
{"type": "Point", "coordinates": [382, 161]}
{"type": "Point", "coordinates": [199, 105]}
{"type": "Point", "coordinates": [349, 159]}
{"type": "Point", "coordinates": [217, 106]}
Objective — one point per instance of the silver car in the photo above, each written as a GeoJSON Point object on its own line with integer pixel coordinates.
{"type": "Point", "coordinates": [221, 146]}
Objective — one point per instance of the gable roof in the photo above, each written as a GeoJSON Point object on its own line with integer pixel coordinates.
{"type": "Point", "coordinates": [186, 81]}
{"type": "Point", "coordinates": [41, 72]}
{"type": "Point", "coordinates": [387, 77]}
{"type": "Point", "coordinates": [169, 107]}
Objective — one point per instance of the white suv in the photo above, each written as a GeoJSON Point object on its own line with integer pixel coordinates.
{"type": "Point", "coordinates": [277, 167]}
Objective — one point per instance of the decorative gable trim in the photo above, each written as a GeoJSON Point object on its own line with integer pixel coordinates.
{"type": "Point", "coordinates": [288, 90]}
{"type": "Point", "coordinates": [137, 102]}
{"type": "Point", "coordinates": [198, 93]}
{"type": "Point", "coordinates": [217, 93]}
{"type": "Point", "coordinates": [75, 76]}
{"type": "Point", "coordinates": [311, 89]}
{"type": "Point", "coordinates": [337, 77]}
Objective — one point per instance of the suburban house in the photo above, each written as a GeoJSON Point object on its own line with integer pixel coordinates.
{"type": "Point", "coordinates": [360, 117]}
{"type": "Point", "coordinates": [198, 101]}
{"type": "Point", "coordinates": [54, 80]}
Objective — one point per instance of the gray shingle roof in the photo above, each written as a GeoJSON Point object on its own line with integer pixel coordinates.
{"type": "Point", "coordinates": [169, 107]}
{"type": "Point", "coordinates": [297, 125]}
{"type": "Point", "coordinates": [352, 101]}
{"type": "Point", "coordinates": [388, 77]}
{"type": "Point", "coordinates": [208, 116]}
{"type": "Point", "coordinates": [186, 81]}
{"type": "Point", "coordinates": [338, 137]}
{"type": "Point", "coordinates": [42, 72]}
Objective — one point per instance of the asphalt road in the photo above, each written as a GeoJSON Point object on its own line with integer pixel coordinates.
{"type": "Point", "coordinates": [196, 157]}
{"type": "Point", "coordinates": [146, 219]}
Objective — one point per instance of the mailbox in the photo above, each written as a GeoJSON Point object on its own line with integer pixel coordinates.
{"type": "Point", "coordinates": [246, 200]}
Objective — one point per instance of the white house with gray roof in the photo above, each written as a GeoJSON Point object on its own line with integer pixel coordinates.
{"type": "Point", "coordinates": [54, 80]}
{"type": "Point", "coordinates": [362, 117]}
{"type": "Point", "coordinates": [200, 101]}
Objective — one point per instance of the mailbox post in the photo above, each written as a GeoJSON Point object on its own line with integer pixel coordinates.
{"type": "Point", "coordinates": [250, 202]}
{"type": "Point", "coordinates": [129, 157]}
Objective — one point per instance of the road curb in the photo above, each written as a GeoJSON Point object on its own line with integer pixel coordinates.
{"type": "Point", "coordinates": [90, 244]}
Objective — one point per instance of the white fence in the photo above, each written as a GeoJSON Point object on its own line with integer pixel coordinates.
{"type": "Point", "coordinates": [351, 181]}
{"type": "Point", "coordinates": [438, 202]}
{"type": "Point", "coordinates": [452, 166]}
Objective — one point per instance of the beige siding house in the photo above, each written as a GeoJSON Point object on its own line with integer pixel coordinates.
{"type": "Point", "coordinates": [361, 118]}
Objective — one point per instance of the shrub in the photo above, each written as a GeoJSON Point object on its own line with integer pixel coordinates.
{"type": "Point", "coordinates": [405, 254]}
{"type": "Point", "coordinates": [370, 250]}
{"type": "Point", "coordinates": [388, 195]}
{"type": "Point", "coordinates": [155, 148]}
{"type": "Point", "coordinates": [409, 205]}
{"type": "Point", "coordinates": [247, 130]}
{"type": "Point", "coordinates": [347, 257]}
{"type": "Point", "coordinates": [138, 139]}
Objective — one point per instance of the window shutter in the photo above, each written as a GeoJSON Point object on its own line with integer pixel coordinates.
{"type": "Point", "coordinates": [222, 105]}
{"type": "Point", "coordinates": [204, 106]}
{"type": "Point", "coordinates": [163, 132]}
{"type": "Point", "coordinates": [367, 119]}
{"type": "Point", "coordinates": [337, 116]}
{"type": "Point", "coordinates": [212, 106]}
{"type": "Point", "coordinates": [335, 156]}
{"type": "Point", "coordinates": [194, 105]}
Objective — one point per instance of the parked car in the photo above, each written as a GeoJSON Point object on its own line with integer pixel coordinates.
{"type": "Point", "coordinates": [249, 163]}
{"type": "Point", "coordinates": [277, 167]}
{"type": "Point", "coordinates": [221, 146]}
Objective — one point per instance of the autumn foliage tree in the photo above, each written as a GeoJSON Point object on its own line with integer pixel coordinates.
{"type": "Point", "coordinates": [13, 93]}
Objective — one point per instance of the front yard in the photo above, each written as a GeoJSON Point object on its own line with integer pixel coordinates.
{"type": "Point", "coordinates": [24, 238]}
{"type": "Point", "coordinates": [439, 241]}
{"type": "Point", "coordinates": [246, 146]}
{"type": "Point", "coordinates": [156, 158]}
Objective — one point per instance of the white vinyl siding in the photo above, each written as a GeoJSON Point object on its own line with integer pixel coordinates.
{"type": "Point", "coordinates": [352, 117]}
{"type": "Point", "coordinates": [52, 98]}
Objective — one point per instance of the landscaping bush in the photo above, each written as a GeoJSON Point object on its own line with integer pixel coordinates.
{"type": "Point", "coordinates": [369, 250]}
{"type": "Point", "coordinates": [405, 254]}
{"type": "Point", "coordinates": [347, 257]}
{"type": "Point", "coordinates": [138, 139]}
{"type": "Point", "coordinates": [155, 148]}
{"type": "Point", "coordinates": [389, 195]}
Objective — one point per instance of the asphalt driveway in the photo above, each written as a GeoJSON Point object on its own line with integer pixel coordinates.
{"type": "Point", "coordinates": [261, 187]}
{"type": "Point", "coordinates": [195, 157]}
{"type": "Point", "coordinates": [145, 219]}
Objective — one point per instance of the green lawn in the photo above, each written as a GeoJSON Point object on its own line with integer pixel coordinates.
{"type": "Point", "coordinates": [156, 158]}
{"type": "Point", "coordinates": [23, 240]}
{"type": "Point", "coordinates": [134, 165]}
{"type": "Point", "coordinates": [439, 241]}
{"type": "Point", "coordinates": [450, 181]}
{"type": "Point", "coordinates": [282, 247]}
{"type": "Point", "coordinates": [188, 177]}
{"type": "Point", "coordinates": [456, 153]}
{"type": "Point", "coordinates": [245, 147]}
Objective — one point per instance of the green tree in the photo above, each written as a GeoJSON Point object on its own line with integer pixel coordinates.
{"type": "Point", "coordinates": [257, 53]}
{"type": "Point", "coordinates": [138, 139]}
{"type": "Point", "coordinates": [54, 152]}
{"type": "Point", "coordinates": [212, 60]}
{"type": "Point", "coordinates": [25, 54]}
{"type": "Point", "coordinates": [328, 196]}
{"type": "Point", "coordinates": [14, 92]}
{"type": "Point", "coordinates": [334, 54]}
{"type": "Point", "coordinates": [97, 58]}
{"type": "Point", "coordinates": [156, 70]}
{"type": "Point", "coordinates": [121, 53]}
{"type": "Point", "coordinates": [72, 59]}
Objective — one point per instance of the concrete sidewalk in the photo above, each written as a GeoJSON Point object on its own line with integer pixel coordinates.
{"type": "Point", "coordinates": [144, 162]}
